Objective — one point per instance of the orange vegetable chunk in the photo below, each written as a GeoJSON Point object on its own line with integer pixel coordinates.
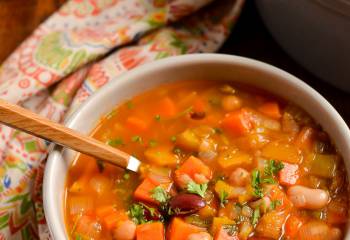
{"type": "Point", "coordinates": [292, 226]}
{"type": "Point", "coordinates": [237, 123]}
{"type": "Point", "coordinates": [283, 152]}
{"type": "Point", "coordinates": [271, 109]}
{"type": "Point", "coordinates": [166, 107]}
{"type": "Point", "coordinates": [270, 225]}
{"type": "Point", "coordinates": [180, 230]}
{"type": "Point", "coordinates": [150, 231]}
{"type": "Point", "coordinates": [136, 124]}
{"type": "Point", "coordinates": [144, 191]}
{"type": "Point", "coordinates": [194, 166]}
{"type": "Point", "coordinates": [289, 174]}
{"type": "Point", "coordinates": [222, 234]}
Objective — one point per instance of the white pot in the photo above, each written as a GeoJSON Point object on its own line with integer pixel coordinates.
{"type": "Point", "coordinates": [195, 67]}
{"type": "Point", "coordinates": [316, 33]}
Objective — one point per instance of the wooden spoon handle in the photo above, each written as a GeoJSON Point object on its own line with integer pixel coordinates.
{"type": "Point", "coordinates": [27, 121]}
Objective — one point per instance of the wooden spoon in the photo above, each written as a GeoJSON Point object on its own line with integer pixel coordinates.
{"type": "Point", "coordinates": [34, 124]}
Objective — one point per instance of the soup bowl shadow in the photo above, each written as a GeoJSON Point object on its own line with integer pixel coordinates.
{"type": "Point", "coordinates": [211, 67]}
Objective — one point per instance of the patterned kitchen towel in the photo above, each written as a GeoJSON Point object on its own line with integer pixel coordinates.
{"type": "Point", "coordinates": [75, 52]}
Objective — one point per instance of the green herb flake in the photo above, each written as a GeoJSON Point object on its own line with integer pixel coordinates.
{"type": "Point", "coordinates": [78, 237]}
{"type": "Point", "coordinates": [198, 189]}
{"type": "Point", "coordinates": [157, 117]}
{"type": "Point", "coordinates": [256, 216]}
{"type": "Point", "coordinates": [256, 181]}
{"type": "Point", "coordinates": [218, 130]}
{"type": "Point", "coordinates": [137, 213]}
{"type": "Point", "coordinates": [275, 203]}
{"type": "Point", "coordinates": [130, 105]}
{"type": "Point", "coordinates": [136, 138]}
{"type": "Point", "coordinates": [269, 180]}
{"type": "Point", "coordinates": [173, 138]}
{"type": "Point", "coordinates": [153, 143]}
{"type": "Point", "coordinates": [160, 195]}
{"type": "Point", "coordinates": [223, 198]}
{"type": "Point", "coordinates": [177, 151]}
{"type": "Point", "coordinates": [126, 176]}
{"type": "Point", "coordinates": [273, 167]}
{"type": "Point", "coordinates": [115, 142]}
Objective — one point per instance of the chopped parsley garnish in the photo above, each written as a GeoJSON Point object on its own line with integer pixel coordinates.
{"type": "Point", "coordinates": [256, 181]}
{"type": "Point", "coordinates": [157, 117]}
{"type": "Point", "coordinates": [126, 176]}
{"type": "Point", "coordinates": [173, 138]}
{"type": "Point", "coordinates": [275, 203]}
{"type": "Point", "coordinates": [160, 195]}
{"type": "Point", "coordinates": [130, 105]}
{"type": "Point", "coordinates": [136, 138]}
{"type": "Point", "coordinates": [115, 142]}
{"type": "Point", "coordinates": [273, 167]}
{"type": "Point", "coordinates": [198, 189]}
{"type": "Point", "coordinates": [256, 216]}
{"type": "Point", "coordinates": [153, 143]}
{"type": "Point", "coordinates": [137, 213]}
{"type": "Point", "coordinates": [223, 198]}
{"type": "Point", "coordinates": [268, 180]}
{"type": "Point", "coordinates": [78, 237]}
{"type": "Point", "coordinates": [177, 150]}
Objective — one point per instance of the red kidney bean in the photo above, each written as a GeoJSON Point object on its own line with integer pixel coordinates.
{"type": "Point", "coordinates": [185, 203]}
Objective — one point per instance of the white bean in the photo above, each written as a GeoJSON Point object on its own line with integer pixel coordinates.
{"type": "Point", "coordinates": [125, 231]}
{"type": "Point", "coordinates": [239, 177]}
{"type": "Point", "coordinates": [199, 236]}
{"type": "Point", "coordinates": [309, 198]}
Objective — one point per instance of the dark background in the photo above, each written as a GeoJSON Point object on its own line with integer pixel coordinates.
{"type": "Point", "coordinates": [249, 38]}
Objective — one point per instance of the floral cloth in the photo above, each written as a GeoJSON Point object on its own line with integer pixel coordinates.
{"type": "Point", "coordinates": [75, 52]}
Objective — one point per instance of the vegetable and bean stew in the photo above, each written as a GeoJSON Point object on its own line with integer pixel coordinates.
{"type": "Point", "coordinates": [220, 162]}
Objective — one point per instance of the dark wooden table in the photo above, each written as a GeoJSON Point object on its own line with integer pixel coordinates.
{"type": "Point", "coordinates": [249, 38]}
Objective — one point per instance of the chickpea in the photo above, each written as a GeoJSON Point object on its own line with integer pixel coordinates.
{"type": "Point", "coordinates": [125, 231]}
{"type": "Point", "coordinates": [199, 236]}
{"type": "Point", "coordinates": [239, 177]}
{"type": "Point", "coordinates": [230, 103]}
{"type": "Point", "coordinates": [309, 198]}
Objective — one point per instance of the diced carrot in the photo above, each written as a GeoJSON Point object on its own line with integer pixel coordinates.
{"type": "Point", "coordinates": [222, 234]}
{"type": "Point", "coordinates": [110, 221]}
{"type": "Point", "coordinates": [289, 175]}
{"type": "Point", "coordinates": [180, 230]}
{"type": "Point", "coordinates": [136, 125]}
{"type": "Point", "coordinates": [271, 109]}
{"type": "Point", "coordinates": [292, 226]}
{"type": "Point", "coordinates": [237, 123]}
{"type": "Point", "coordinates": [166, 107]}
{"type": "Point", "coordinates": [276, 194]}
{"type": "Point", "coordinates": [199, 105]}
{"type": "Point", "coordinates": [103, 211]}
{"type": "Point", "coordinates": [219, 222]}
{"type": "Point", "coordinates": [150, 231]}
{"type": "Point", "coordinates": [144, 191]}
{"type": "Point", "coordinates": [194, 166]}
{"type": "Point", "coordinates": [270, 224]}
{"type": "Point", "coordinates": [305, 139]}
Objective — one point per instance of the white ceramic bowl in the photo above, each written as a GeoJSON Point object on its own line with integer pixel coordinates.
{"type": "Point", "coordinates": [198, 66]}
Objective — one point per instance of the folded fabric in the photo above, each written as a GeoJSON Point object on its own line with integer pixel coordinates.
{"type": "Point", "coordinates": [75, 52]}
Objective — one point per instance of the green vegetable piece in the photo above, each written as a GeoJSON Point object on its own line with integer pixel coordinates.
{"type": "Point", "coordinates": [160, 195]}
{"type": "Point", "coordinates": [275, 203]}
{"type": "Point", "coordinates": [272, 168]}
{"type": "Point", "coordinates": [223, 198]}
{"type": "Point", "coordinates": [136, 138]}
{"type": "Point", "coordinates": [78, 237]}
{"type": "Point", "coordinates": [126, 176]}
{"type": "Point", "coordinates": [256, 216]}
{"type": "Point", "coordinates": [115, 142]}
{"type": "Point", "coordinates": [137, 213]}
{"type": "Point", "coordinates": [153, 143]}
{"type": "Point", "coordinates": [157, 117]}
{"type": "Point", "coordinates": [173, 138]}
{"type": "Point", "coordinates": [255, 183]}
{"type": "Point", "coordinates": [198, 189]}
{"type": "Point", "coordinates": [130, 105]}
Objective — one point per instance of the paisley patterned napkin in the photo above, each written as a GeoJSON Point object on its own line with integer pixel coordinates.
{"type": "Point", "coordinates": [75, 52]}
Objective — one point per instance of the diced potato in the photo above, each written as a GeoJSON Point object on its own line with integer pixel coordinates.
{"type": "Point", "coordinates": [324, 165]}
{"type": "Point", "coordinates": [188, 140]}
{"type": "Point", "coordinates": [282, 152]}
{"type": "Point", "coordinates": [251, 141]}
{"type": "Point", "coordinates": [218, 222]}
{"type": "Point", "coordinates": [270, 225]}
{"type": "Point", "coordinates": [233, 158]}
{"type": "Point", "coordinates": [161, 156]}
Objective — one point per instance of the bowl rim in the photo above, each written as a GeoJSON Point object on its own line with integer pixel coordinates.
{"type": "Point", "coordinates": [55, 151]}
